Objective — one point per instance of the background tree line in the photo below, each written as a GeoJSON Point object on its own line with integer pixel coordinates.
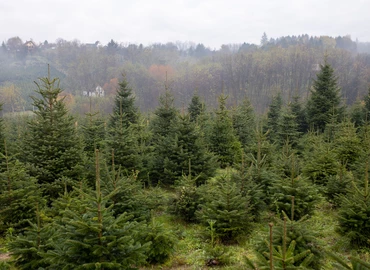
{"type": "Point", "coordinates": [286, 65]}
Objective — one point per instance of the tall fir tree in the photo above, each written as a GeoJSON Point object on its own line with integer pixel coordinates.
{"type": "Point", "coordinates": [222, 139]}
{"type": "Point", "coordinates": [163, 127]}
{"type": "Point", "coordinates": [192, 156]}
{"type": "Point", "coordinates": [124, 109]}
{"type": "Point", "coordinates": [324, 99]}
{"type": "Point", "coordinates": [51, 147]}
{"type": "Point", "coordinates": [122, 136]}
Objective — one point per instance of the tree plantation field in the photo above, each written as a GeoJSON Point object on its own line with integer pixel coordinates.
{"type": "Point", "coordinates": [188, 188]}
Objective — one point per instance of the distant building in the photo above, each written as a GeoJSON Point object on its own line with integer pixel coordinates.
{"type": "Point", "coordinates": [99, 92]}
{"type": "Point", "coordinates": [30, 45]}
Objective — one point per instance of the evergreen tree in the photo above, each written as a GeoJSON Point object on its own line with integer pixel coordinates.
{"type": "Point", "coordinates": [305, 240]}
{"type": "Point", "coordinates": [354, 214]}
{"type": "Point", "coordinates": [366, 110]}
{"type": "Point", "coordinates": [320, 159]}
{"type": "Point", "coordinates": [222, 139]}
{"type": "Point", "coordinates": [295, 190]}
{"type": "Point", "coordinates": [244, 122]}
{"type": "Point", "coordinates": [19, 195]}
{"type": "Point", "coordinates": [225, 204]}
{"type": "Point", "coordinates": [2, 135]}
{"type": "Point", "coordinates": [94, 238]}
{"type": "Point", "coordinates": [94, 133]}
{"type": "Point", "coordinates": [299, 113]}
{"type": "Point", "coordinates": [273, 116]}
{"type": "Point", "coordinates": [124, 111]}
{"type": "Point", "coordinates": [122, 137]}
{"type": "Point", "coordinates": [164, 140]}
{"type": "Point", "coordinates": [123, 141]}
{"type": "Point", "coordinates": [187, 199]}
{"type": "Point", "coordinates": [28, 249]}
{"type": "Point", "coordinates": [347, 144]}
{"type": "Point", "coordinates": [324, 99]}
{"type": "Point", "coordinates": [287, 128]}
{"type": "Point", "coordinates": [196, 107]}
{"type": "Point", "coordinates": [282, 252]}
{"type": "Point", "coordinates": [193, 157]}
{"type": "Point", "coordinates": [51, 146]}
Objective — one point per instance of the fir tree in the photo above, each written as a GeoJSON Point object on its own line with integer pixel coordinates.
{"type": "Point", "coordinates": [299, 113]}
{"type": "Point", "coordinates": [196, 108]}
{"type": "Point", "coordinates": [51, 147]}
{"type": "Point", "coordinates": [305, 241]}
{"type": "Point", "coordinates": [222, 139]}
{"type": "Point", "coordinates": [347, 144]}
{"type": "Point", "coordinates": [187, 199]}
{"type": "Point", "coordinates": [2, 135]}
{"type": "Point", "coordinates": [123, 141]}
{"type": "Point", "coordinates": [287, 128]}
{"type": "Point", "coordinates": [19, 195]}
{"type": "Point", "coordinates": [124, 111]}
{"type": "Point", "coordinates": [273, 116]}
{"type": "Point", "coordinates": [324, 99]}
{"type": "Point", "coordinates": [320, 159]}
{"type": "Point", "coordinates": [227, 206]}
{"type": "Point", "coordinates": [28, 249]}
{"type": "Point", "coordinates": [366, 109]}
{"type": "Point", "coordinates": [193, 157]}
{"type": "Point", "coordinates": [292, 188]}
{"type": "Point", "coordinates": [163, 127]}
{"type": "Point", "coordinates": [244, 122]}
{"type": "Point", "coordinates": [354, 214]}
{"type": "Point", "coordinates": [122, 137]}
{"type": "Point", "coordinates": [94, 133]}
{"type": "Point", "coordinates": [95, 239]}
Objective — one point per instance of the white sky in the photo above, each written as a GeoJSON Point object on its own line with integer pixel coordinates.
{"type": "Point", "coordinates": [211, 22]}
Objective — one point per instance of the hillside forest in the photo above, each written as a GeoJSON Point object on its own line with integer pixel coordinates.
{"type": "Point", "coordinates": [174, 156]}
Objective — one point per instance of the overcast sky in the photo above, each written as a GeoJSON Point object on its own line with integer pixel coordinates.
{"type": "Point", "coordinates": [211, 22]}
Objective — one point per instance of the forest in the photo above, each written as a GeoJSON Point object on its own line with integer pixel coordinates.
{"type": "Point", "coordinates": [262, 163]}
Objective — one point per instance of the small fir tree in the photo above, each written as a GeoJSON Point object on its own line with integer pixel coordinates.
{"type": "Point", "coordinates": [95, 239]}
{"type": "Point", "coordinates": [163, 127]}
{"type": "Point", "coordinates": [293, 188]}
{"type": "Point", "coordinates": [227, 206]}
{"type": "Point", "coordinates": [320, 159]}
{"type": "Point", "coordinates": [28, 249]}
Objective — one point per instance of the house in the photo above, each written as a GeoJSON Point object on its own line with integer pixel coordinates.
{"type": "Point", "coordinates": [99, 92]}
{"type": "Point", "coordinates": [30, 45]}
